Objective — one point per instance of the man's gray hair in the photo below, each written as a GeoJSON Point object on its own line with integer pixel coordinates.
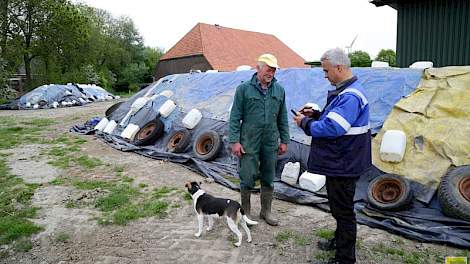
{"type": "Point", "coordinates": [336, 57]}
{"type": "Point", "coordinates": [260, 64]}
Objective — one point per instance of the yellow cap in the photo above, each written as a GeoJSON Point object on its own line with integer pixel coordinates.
{"type": "Point", "coordinates": [269, 59]}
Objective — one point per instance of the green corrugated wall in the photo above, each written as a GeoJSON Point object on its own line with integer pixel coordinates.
{"type": "Point", "coordinates": [434, 30]}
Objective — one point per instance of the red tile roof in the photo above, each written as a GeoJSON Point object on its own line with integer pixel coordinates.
{"type": "Point", "coordinates": [226, 48]}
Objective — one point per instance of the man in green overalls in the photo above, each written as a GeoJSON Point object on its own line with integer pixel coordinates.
{"type": "Point", "coordinates": [259, 132]}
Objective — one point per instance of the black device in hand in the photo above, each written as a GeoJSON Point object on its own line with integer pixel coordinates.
{"type": "Point", "coordinates": [294, 112]}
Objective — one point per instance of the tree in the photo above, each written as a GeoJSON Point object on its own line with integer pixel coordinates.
{"type": "Point", "coordinates": [359, 58]}
{"type": "Point", "coordinates": [44, 27]}
{"type": "Point", "coordinates": [387, 55]}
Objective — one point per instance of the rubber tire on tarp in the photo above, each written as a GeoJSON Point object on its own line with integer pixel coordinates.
{"type": "Point", "coordinates": [179, 141]}
{"type": "Point", "coordinates": [149, 133]}
{"type": "Point", "coordinates": [454, 203]}
{"type": "Point", "coordinates": [112, 108]}
{"type": "Point", "coordinates": [389, 192]}
{"type": "Point", "coordinates": [207, 145]}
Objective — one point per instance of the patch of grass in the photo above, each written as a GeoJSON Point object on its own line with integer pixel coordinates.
{"type": "Point", "coordinates": [39, 122]}
{"type": "Point", "coordinates": [407, 256]}
{"type": "Point", "coordinates": [90, 185]}
{"type": "Point", "coordinates": [127, 179]}
{"type": "Point", "coordinates": [57, 181]}
{"type": "Point", "coordinates": [232, 179]}
{"type": "Point", "coordinates": [62, 237]}
{"type": "Point", "coordinates": [88, 162]}
{"type": "Point", "coordinates": [187, 196]}
{"type": "Point", "coordinates": [324, 233]}
{"type": "Point", "coordinates": [15, 207]}
{"type": "Point", "coordinates": [142, 185]}
{"type": "Point", "coordinates": [286, 235]}
{"type": "Point", "coordinates": [162, 192]}
{"type": "Point", "coordinates": [63, 162]}
{"type": "Point", "coordinates": [125, 204]}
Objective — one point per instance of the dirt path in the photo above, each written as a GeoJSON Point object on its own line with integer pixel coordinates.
{"type": "Point", "coordinates": [170, 239]}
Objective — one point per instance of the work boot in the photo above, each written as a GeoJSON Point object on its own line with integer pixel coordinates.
{"type": "Point", "coordinates": [266, 200]}
{"type": "Point", "coordinates": [245, 197]}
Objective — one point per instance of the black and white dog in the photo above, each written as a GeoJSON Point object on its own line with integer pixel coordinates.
{"type": "Point", "coordinates": [212, 207]}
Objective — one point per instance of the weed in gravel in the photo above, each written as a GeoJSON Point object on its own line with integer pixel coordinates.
{"type": "Point", "coordinates": [23, 245]}
{"type": "Point", "coordinates": [62, 237]}
{"type": "Point", "coordinates": [324, 233]}
{"type": "Point", "coordinates": [118, 169]}
{"type": "Point", "coordinates": [70, 204]}
{"type": "Point", "coordinates": [90, 185]}
{"type": "Point", "coordinates": [142, 185]}
{"type": "Point", "coordinates": [286, 235]}
{"type": "Point", "coordinates": [15, 207]}
{"type": "Point", "coordinates": [127, 179]}
{"type": "Point", "coordinates": [324, 255]}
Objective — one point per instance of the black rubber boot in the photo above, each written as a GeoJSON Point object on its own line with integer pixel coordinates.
{"type": "Point", "coordinates": [246, 205]}
{"type": "Point", "coordinates": [266, 200]}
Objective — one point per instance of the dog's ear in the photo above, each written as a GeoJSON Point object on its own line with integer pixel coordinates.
{"type": "Point", "coordinates": [199, 183]}
{"type": "Point", "coordinates": [187, 185]}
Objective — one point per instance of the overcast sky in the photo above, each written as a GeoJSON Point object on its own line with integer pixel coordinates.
{"type": "Point", "coordinates": [309, 27]}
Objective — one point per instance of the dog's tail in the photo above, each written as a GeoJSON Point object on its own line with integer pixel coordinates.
{"type": "Point", "coordinates": [246, 219]}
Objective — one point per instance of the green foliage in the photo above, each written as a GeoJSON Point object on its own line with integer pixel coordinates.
{"type": "Point", "coordinates": [387, 55]}
{"type": "Point", "coordinates": [72, 42]}
{"type": "Point", "coordinates": [325, 233]}
{"type": "Point", "coordinates": [359, 59]}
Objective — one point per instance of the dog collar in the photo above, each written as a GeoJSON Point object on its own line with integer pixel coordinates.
{"type": "Point", "coordinates": [197, 194]}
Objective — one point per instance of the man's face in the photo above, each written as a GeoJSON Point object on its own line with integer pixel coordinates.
{"type": "Point", "coordinates": [265, 73]}
{"type": "Point", "coordinates": [332, 73]}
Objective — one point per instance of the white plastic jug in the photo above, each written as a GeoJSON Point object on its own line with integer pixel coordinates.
{"type": "Point", "coordinates": [290, 173]}
{"type": "Point", "coordinates": [314, 106]}
{"type": "Point", "coordinates": [55, 104]}
{"type": "Point", "coordinates": [393, 146]}
{"type": "Point", "coordinates": [311, 181]}
{"type": "Point", "coordinates": [166, 93]}
{"type": "Point", "coordinates": [130, 131]}
{"type": "Point", "coordinates": [102, 124]}
{"type": "Point", "coordinates": [192, 118]}
{"type": "Point", "coordinates": [167, 108]}
{"type": "Point", "coordinates": [110, 127]}
{"type": "Point", "coordinates": [28, 105]}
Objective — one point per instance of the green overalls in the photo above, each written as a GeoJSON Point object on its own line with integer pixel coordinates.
{"type": "Point", "coordinates": [258, 121]}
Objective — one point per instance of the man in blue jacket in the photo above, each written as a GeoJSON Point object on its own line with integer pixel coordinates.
{"type": "Point", "coordinates": [340, 148]}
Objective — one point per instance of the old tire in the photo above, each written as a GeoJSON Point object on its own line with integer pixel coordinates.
{"type": "Point", "coordinates": [149, 133]}
{"type": "Point", "coordinates": [454, 193]}
{"type": "Point", "coordinates": [207, 145]}
{"type": "Point", "coordinates": [112, 108]}
{"type": "Point", "coordinates": [179, 141]}
{"type": "Point", "coordinates": [389, 192]}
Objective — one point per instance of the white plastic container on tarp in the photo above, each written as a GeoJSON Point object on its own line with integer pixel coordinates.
{"type": "Point", "coordinates": [166, 93]}
{"type": "Point", "coordinates": [28, 105]}
{"type": "Point", "coordinates": [192, 118]}
{"type": "Point", "coordinates": [36, 106]}
{"type": "Point", "coordinates": [380, 64]}
{"type": "Point", "coordinates": [130, 131]}
{"type": "Point", "coordinates": [167, 108]}
{"type": "Point", "coordinates": [421, 65]}
{"type": "Point", "coordinates": [110, 127]}
{"type": "Point", "coordinates": [311, 181]}
{"type": "Point", "coordinates": [55, 104]}
{"type": "Point", "coordinates": [102, 124]}
{"type": "Point", "coordinates": [393, 146]}
{"type": "Point", "coordinates": [290, 173]}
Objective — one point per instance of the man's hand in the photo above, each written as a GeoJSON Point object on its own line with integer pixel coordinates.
{"type": "Point", "coordinates": [310, 112]}
{"type": "Point", "coordinates": [282, 149]}
{"type": "Point", "coordinates": [298, 118]}
{"type": "Point", "coordinates": [237, 149]}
